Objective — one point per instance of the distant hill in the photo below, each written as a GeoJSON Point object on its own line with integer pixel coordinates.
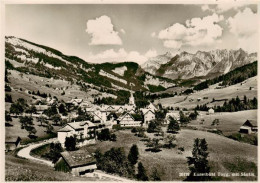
{"type": "Point", "coordinates": [31, 58]}
{"type": "Point", "coordinates": [201, 64]}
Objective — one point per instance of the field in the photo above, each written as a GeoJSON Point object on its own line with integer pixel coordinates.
{"type": "Point", "coordinates": [15, 130]}
{"type": "Point", "coordinates": [190, 101]}
{"type": "Point", "coordinates": [170, 162]}
{"type": "Point", "coordinates": [229, 122]}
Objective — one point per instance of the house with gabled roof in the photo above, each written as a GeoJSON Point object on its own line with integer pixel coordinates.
{"type": "Point", "coordinates": [11, 143]}
{"type": "Point", "coordinates": [250, 126]}
{"type": "Point", "coordinates": [127, 120]}
{"type": "Point", "coordinates": [83, 131]}
{"type": "Point", "coordinates": [152, 107]}
{"type": "Point", "coordinates": [79, 162]}
{"type": "Point", "coordinates": [149, 115]}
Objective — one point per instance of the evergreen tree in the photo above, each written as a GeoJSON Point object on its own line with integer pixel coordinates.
{"type": "Point", "coordinates": [133, 155]}
{"type": "Point", "coordinates": [141, 175]}
{"type": "Point", "coordinates": [198, 163]}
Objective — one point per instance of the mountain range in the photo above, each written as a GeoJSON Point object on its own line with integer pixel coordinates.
{"type": "Point", "coordinates": [201, 64]}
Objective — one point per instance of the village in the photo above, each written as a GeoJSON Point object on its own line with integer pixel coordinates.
{"type": "Point", "coordinates": [107, 119]}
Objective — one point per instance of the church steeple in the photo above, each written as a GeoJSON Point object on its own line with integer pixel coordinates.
{"type": "Point", "coordinates": [132, 99]}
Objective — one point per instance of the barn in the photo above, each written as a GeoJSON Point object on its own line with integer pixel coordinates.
{"type": "Point", "coordinates": [250, 126]}
{"type": "Point", "coordinates": [11, 143]}
{"type": "Point", "coordinates": [77, 162]}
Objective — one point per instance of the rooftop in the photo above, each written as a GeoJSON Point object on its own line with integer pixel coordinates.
{"type": "Point", "coordinates": [78, 158]}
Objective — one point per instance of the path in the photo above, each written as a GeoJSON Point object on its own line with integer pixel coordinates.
{"type": "Point", "coordinates": [25, 152]}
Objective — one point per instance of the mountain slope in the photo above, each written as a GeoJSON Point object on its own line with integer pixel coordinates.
{"type": "Point", "coordinates": [31, 58]}
{"type": "Point", "coordinates": [201, 64]}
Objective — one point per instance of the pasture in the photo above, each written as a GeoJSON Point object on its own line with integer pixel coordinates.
{"type": "Point", "coordinates": [191, 101]}
{"type": "Point", "coordinates": [170, 162]}
{"type": "Point", "coordinates": [229, 122]}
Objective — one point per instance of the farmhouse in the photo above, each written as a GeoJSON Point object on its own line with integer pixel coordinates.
{"type": "Point", "coordinates": [11, 143]}
{"type": "Point", "coordinates": [78, 162]}
{"type": "Point", "coordinates": [127, 120]}
{"type": "Point", "coordinates": [84, 131]}
{"type": "Point", "coordinates": [250, 126]}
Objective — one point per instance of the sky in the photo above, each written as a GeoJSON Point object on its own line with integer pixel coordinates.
{"type": "Point", "coordinates": [100, 33]}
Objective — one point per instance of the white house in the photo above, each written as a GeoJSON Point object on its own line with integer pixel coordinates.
{"type": "Point", "coordinates": [148, 116]}
{"type": "Point", "coordinates": [211, 111]}
{"type": "Point", "coordinates": [84, 130]}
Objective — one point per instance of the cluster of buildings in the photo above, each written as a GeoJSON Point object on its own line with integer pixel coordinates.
{"type": "Point", "coordinates": [105, 116]}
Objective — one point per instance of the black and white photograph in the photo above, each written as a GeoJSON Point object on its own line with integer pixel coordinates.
{"type": "Point", "coordinates": [130, 91]}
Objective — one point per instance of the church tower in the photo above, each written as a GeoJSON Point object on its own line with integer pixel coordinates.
{"type": "Point", "coordinates": [132, 99]}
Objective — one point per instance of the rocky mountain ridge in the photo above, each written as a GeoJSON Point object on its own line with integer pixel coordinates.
{"type": "Point", "coordinates": [201, 64]}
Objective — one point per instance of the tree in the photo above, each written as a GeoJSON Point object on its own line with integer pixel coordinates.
{"type": "Point", "coordinates": [70, 143]}
{"type": "Point", "coordinates": [173, 125]}
{"type": "Point", "coordinates": [16, 109]}
{"type": "Point", "coordinates": [22, 102]}
{"type": "Point", "coordinates": [8, 118]}
{"type": "Point", "coordinates": [183, 118]}
{"type": "Point", "coordinates": [26, 121]}
{"type": "Point", "coordinates": [32, 109]}
{"type": "Point", "coordinates": [133, 154]}
{"type": "Point", "coordinates": [56, 118]}
{"type": "Point", "coordinates": [114, 161]}
{"type": "Point", "coordinates": [141, 175]}
{"type": "Point", "coordinates": [62, 109]}
{"type": "Point", "coordinates": [169, 141]}
{"type": "Point", "coordinates": [8, 98]}
{"type": "Point", "coordinates": [42, 119]}
{"type": "Point", "coordinates": [51, 111]}
{"type": "Point", "coordinates": [49, 127]}
{"type": "Point", "coordinates": [198, 163]}
{"type": "Point", "coordinates": [32, 131]}
{"type": "Point", "coordinates": [54, 154]}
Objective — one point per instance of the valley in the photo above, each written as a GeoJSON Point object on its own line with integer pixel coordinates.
{"type": "Point", "coordinates": [108, 106]}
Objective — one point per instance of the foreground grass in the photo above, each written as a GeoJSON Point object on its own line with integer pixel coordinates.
{"type": "Point", "coordinates": [17, 169]}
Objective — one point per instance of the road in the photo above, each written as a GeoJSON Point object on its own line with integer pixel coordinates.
{"type": "Point", "coordinates": [25, 152]}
